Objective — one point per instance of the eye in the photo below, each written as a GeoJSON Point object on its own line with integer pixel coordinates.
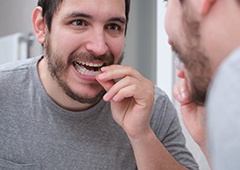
{"type": "Point", "coordinates": [79, 23]}
{"type": "Point", "coordinates": [114, 27]}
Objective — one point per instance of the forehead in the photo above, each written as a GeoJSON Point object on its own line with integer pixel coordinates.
{"type": "Point", "coordinates": [103, 8]}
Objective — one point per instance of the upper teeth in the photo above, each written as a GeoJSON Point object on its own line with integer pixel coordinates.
{"type": "Point", "coordinates": [91, 64]}
{"type": "Point", "coordinates": [80, 68]}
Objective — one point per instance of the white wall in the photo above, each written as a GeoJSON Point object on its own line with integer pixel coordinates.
{"type": "Point", "coordinates": [165, 67]}
{"type": "Point", "coordinates": [166, 78]}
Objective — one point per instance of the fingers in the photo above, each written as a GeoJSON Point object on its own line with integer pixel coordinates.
{"type": "Point", "coordinates": [122, 82]}
{"type": "Point", "coordinates": [115, 72]}
{"type": "Point", "coordinates": [181, 92]}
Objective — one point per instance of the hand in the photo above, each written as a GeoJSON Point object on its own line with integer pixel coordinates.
{"type": "Point", "coordinates": [131, 98]}
{"type": "Point", "coordinates": [193, 115]}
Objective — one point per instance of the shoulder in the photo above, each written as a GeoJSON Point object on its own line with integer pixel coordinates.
{"type": "Point", "coordinates": [13, 68]}
{"type": "Point", "coordinates": [227, 79]}
{"type": "Point", "coordinates": [224, 88]}
{"type": "Point", "coordinates": [223, 110]}
{"type": "Point", "coordinates": [229, 67]}
{"type": "Point", "coordinates": [15, 75]}
{"type": "Point", "coordinates": [162, 103]}
{"type": "Point", "coordinates": [164, 113]}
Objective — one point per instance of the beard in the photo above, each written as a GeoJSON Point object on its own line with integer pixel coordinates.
{"type": "Point", "coordinates": [58, 69]}
{"type": "Point", "coordinates": [195, 61]}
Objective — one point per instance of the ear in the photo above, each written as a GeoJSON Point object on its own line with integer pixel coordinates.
{"type": "Point", "coordinates": [206, 6]}
{"type": "Point", "coordinates": [39, 25]}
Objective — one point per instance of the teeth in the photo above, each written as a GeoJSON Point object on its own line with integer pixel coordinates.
{"type": "Point", "coordinates": [81, 69]}
{"type": "Point", "coordinates": [90, 64]}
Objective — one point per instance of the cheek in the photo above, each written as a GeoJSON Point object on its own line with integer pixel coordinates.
{"type": "Point", "coordinates": [65, 44]}
{"type": "Point", "coordinates": [172, 27]}
{"type": "Point", "coordinates": [116, 47]}
{"type": "Point", "coordinates": [173, 19]}
{"type": "Point", "coordinates": [170, 17]}
{"type": "Point", "coordinates": [167, 22]}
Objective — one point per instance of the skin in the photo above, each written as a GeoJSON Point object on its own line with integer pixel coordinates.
{"type": "Point", "coordinates": [193, 115]}
{"type": "Point", "coordinates": [197, 30]}
{"type": "Point", "coordinates": [92, 32]}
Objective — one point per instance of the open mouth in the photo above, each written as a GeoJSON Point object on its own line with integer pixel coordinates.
{"type": "Point", "coordinates": [87, 68]}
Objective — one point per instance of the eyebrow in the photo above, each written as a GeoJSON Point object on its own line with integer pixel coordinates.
{"type": "Point", "coordinates": [84, 15]}
{"type": "Point", "coordinates": [119, 19]}
{"type": "Point", "coordinates": [77, 14]}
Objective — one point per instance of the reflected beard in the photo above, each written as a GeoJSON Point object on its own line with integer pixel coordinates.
{"type": "Point", "coordinates": [194, 60]}
{"type": "Point", "coordinates": [197, 67]}
{"type": "Point", "coordinates": [58, 70]}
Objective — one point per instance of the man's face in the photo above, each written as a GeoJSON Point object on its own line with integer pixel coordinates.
{"type": "Point", "coordinates": [183, 29]}
{"type": "Point", "coordinates": [85, 35]}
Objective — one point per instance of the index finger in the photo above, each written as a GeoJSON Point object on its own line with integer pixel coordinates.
{"type": "Point", "coordinates": [115, 72]}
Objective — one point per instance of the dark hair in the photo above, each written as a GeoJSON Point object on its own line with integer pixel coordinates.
{"type": "Point", "coordinates": [50, 7]}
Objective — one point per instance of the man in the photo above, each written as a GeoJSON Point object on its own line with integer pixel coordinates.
{"type": "Point", "coordinates": [55, 113]}
{"type": "Point", "coordinates": [205, 34]}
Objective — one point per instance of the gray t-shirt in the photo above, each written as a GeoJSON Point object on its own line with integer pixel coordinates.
{"type": "Point", "coordinates": [35, 133]}
{"type": "Point", "coordinates": [223, 111]}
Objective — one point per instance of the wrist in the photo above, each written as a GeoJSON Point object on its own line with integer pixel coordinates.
{"type": "Point", "coordinates": [143, 136]}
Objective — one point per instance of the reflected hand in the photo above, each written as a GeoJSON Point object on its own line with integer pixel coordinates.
{"type": "Point", "coordinates": [193, 115]}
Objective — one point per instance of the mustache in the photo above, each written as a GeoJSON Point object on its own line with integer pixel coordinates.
{"type": "Point", "coordinates": [107, 59]}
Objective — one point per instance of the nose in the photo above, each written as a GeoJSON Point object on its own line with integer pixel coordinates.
{"type": "Point", "coordinates": [96, 43]}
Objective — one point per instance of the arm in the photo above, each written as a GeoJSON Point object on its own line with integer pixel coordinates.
{"type": "Point", "coordinates": [132, 99]}
{"type": "Point", "coordinates": [193, 115]}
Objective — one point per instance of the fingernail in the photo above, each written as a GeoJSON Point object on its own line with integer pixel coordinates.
{"type": "Point", "coordinates": [106, 97]}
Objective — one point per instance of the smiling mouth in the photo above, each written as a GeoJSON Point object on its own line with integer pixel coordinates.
{"type": "Point", "coordinates": [87, 68]}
